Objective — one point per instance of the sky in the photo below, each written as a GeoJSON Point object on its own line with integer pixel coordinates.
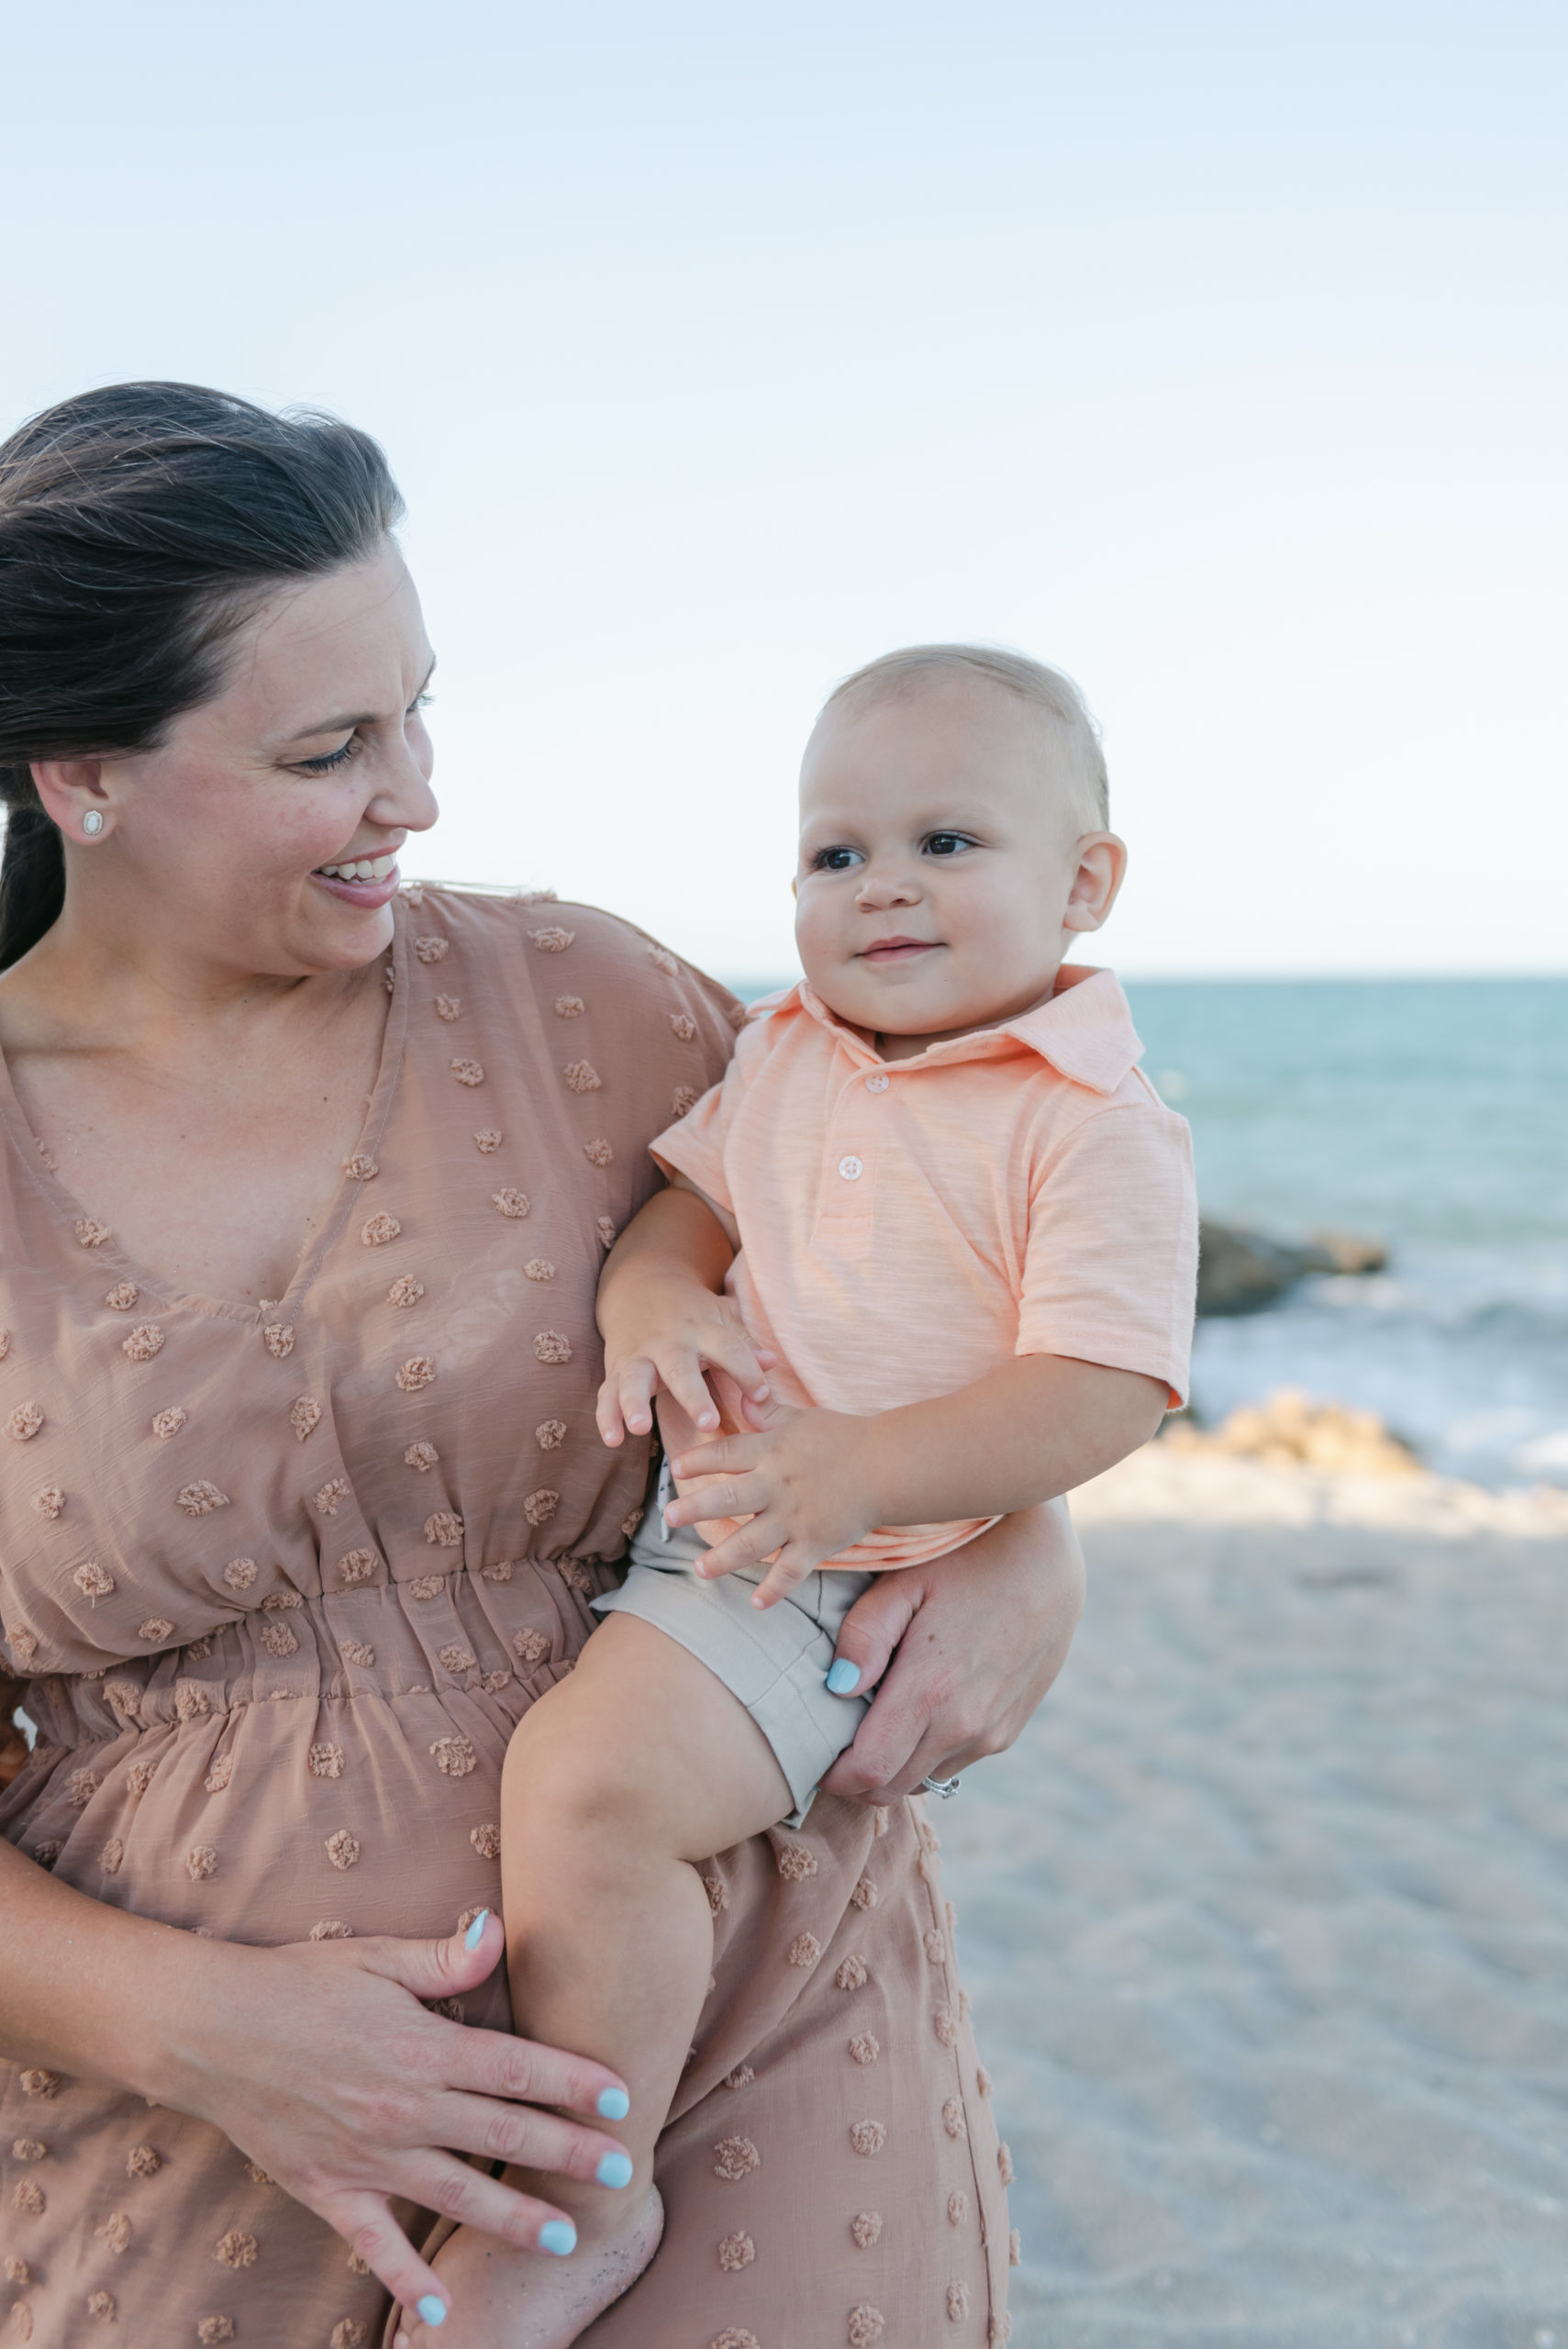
{"type": "Point", "coordinates": [1213, 353]}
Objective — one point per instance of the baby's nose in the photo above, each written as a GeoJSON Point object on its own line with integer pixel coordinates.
{"type": "Point", "coordinates": [888, 888]}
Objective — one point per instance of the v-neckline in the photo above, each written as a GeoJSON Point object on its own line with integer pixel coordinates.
{"type": "Point", "coordinates": [71, 1212]}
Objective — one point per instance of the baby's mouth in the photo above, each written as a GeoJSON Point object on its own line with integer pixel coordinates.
{"type": "Point", "coordinates": [898, 949]}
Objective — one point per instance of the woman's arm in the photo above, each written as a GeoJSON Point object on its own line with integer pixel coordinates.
{"type": "Point", "coordinates": [975, 1640]}
{"type": "Point", "coordinates": [342, 2085]}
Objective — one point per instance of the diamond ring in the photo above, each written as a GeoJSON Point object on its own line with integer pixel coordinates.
{"type": "Point", "coordinates": [946, 1787]}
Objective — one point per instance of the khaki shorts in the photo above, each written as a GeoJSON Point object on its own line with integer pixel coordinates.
{"type": "Point", "coordinates": [775, 1660]}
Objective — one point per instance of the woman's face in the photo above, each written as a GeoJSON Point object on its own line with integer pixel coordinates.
{"type": "Point", "coordinates": [236, 836]}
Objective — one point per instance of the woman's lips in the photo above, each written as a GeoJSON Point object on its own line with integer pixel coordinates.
{"type": "Point", "coordinates": [370, 894]}
{"type": "Point", "coordinates": [898, 949]}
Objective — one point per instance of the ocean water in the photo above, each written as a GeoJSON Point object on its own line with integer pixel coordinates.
{"type": "Point", "coordinates": [1432, 1114]}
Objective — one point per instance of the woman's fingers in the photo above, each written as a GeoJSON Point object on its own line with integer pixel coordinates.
{"type": "Point", "coordinates": [904, 1712]}
{"type": "Point", "coordinates": [439, 2181]}
{"type": "Point", "coordinates": [368, 2226]}
{"type": "Point", "coordinates": [517, 2132]}
{"type": "Point", "coordinates": [492, 2064]}
{"type": "Point", "coordinates": [442, 1969]}
{"type": "Point", "coordinates": [869, 1632]}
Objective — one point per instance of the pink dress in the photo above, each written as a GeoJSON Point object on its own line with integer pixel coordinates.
{"type": "Point", "coordinates": [276, 1587]}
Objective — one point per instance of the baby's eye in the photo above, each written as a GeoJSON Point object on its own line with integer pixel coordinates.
{"type": "Point", "coordinates": [946, 843]}
{"type": "Point", "coordinates": [835, 860]}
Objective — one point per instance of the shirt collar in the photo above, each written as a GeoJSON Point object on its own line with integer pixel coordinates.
{"type": "Point", "coordinates": [1084, 1032]}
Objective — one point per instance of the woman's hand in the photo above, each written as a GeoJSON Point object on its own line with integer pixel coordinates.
{"type": "Point", "coordinates": [348, 2092]}
{"type": "Point", "coordinates": [975, 1640]}
{"type": "Point", "coordinates": [317, 2059]}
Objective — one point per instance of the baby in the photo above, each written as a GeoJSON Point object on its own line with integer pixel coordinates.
{"type": "Point", "coordinates": [927, 1257]}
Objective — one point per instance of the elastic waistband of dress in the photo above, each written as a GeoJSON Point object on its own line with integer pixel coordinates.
{"type": "Point", "coordinates": [444, 1633]}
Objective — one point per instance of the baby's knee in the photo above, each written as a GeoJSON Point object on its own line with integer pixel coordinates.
{"type": "Point", "coordinates": [569, 1777]}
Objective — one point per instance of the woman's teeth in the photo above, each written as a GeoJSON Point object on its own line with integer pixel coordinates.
{"type": "Point", "coordinates": [374, 868]}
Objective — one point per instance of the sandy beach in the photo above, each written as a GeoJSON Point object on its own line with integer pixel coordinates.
{"type": "Point", "coordinates": [1266, 1920]}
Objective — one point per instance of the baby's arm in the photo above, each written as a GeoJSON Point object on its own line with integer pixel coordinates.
{"type": "Point", "coordinates": [664, 1318]}
{"type": "Point", "coordinates": [813, 1483]}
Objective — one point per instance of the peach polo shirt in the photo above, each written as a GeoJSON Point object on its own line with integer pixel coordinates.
{"type": "Point", "coordinates": [908, 1226]}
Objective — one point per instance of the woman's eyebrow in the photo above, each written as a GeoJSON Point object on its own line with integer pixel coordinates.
{"type": "Point", "coordinates": [337, 725]}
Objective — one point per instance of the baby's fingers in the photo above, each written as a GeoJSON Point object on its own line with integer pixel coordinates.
{"type": "Point", "coordinates": [728, 1348]}
{"type": "Point", "coordinates": [749, 1545]}
{"type": "Point", "coordinates": [681, 1368]}
{"type": "Point", "coordinates": [626, 1401]}
{"type": "Point", "coordinates": [787, 1572]}
{"type": "Point", "coordinates": [731, 1455]}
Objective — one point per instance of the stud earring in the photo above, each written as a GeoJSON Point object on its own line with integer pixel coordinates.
{"type": "Point", "coordinates": [92, 823]}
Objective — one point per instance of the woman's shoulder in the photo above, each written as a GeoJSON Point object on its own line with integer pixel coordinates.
{"type": "Point", "coordinates": [552, 925]}
{"type": "Point", "coordinates": [641, 1001]}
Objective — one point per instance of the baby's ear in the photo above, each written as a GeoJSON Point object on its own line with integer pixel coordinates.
{"type": "Point", "coordinates": [1102, 868]}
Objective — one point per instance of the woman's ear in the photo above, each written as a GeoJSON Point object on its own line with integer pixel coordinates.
{"type": "Point", "coordinates": [1102, 867]}
{"type": "Point", "coordinates": [71, 790]}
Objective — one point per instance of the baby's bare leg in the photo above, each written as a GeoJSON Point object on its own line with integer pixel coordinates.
{"type": "Point", "coordinates": [614, 1782]}
{"type": "Point", "coordinates": [640, 1765]}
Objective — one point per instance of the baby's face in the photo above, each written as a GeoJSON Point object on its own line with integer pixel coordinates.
{"type": "Point", "coordinates": [942, 865]}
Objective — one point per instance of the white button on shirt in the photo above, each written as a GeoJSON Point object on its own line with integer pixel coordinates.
{"type": "Point", "coordinates": [851, 1169]}
{"type": "Point", "coordinates": [877, 1085]}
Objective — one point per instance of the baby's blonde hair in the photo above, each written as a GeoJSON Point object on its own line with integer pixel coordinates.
{"type": "Point", "coordinates": [897, 674]}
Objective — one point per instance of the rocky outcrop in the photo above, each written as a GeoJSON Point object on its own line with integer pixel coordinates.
{"type": "Point", "coordinates": [1291, 1431]}
{"type": "Point", "coordinates": [1243, 1272]}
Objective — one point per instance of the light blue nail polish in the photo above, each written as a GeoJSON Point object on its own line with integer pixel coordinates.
{"type": "Point", "coordinates": [430, 2312]}
{"type": "Point", "coordinates": [558, 2236]}
{"type": "Point", "coordinates": [476, 1932]}
{"type": "Point", "coordinates": [614, 2104]}
{"type": "Point", "coordinates": [844, 1677]}
{"type": "Point", "coordinates": [615, 2170]}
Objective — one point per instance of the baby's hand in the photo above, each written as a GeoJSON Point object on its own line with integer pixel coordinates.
{"type": "Point", "coordinates": [681, 1331]}
{"type": "Point", "coordinates": [801, 1482]}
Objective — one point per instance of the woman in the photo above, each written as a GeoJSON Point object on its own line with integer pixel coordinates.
{"type": "Point", "coordinates": [291, 1535]}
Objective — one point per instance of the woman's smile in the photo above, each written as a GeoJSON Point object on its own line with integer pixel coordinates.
{"type": "Point", "coordinates": [367, 881]}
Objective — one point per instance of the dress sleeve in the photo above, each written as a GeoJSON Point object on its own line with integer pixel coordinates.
{"type": "Point", "coordinates": [1110, 1270]}
{"type": "Point", "coordinates": [649, 1035]}
{"type": "Point", "coordinates": [696, 1145]}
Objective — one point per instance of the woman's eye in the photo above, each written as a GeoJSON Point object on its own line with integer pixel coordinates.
{"type": "Point", "coordinates": [834, 860]}
{"type": "Point", "coordinates": [947, 843]}
{"type": "Point", "coordinates": [421, 701]}
{"type": "Point", "coordinates": [333, 759]}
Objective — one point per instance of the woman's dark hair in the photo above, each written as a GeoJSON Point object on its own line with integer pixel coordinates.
{"type": "Point", "coordinates": [139, 528]}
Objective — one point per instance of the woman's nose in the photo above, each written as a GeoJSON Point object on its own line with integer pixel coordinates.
{"type": "Point", "coordinates": [403, 797]}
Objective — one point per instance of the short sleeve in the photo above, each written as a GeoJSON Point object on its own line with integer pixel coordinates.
{"type": "Point", "coordinates": [637, 1035]}
{"type": "Point", "coordinates": [1110, 1271]}
{"type": "Point", "coordinates": [695, 1146]}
